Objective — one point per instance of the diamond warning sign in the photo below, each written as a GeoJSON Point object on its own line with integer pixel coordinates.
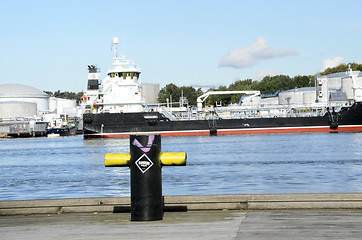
{"type": "Point", "coordinates": [144, 163]}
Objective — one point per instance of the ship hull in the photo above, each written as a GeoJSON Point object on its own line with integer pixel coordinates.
{"type": "Point", "coordinates": [117, 125]}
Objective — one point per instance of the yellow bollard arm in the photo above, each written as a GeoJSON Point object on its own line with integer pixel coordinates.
{"type": "Point", "coordinates": [173, 159]}
{"type": "Point", "coordinates": [117, 159]}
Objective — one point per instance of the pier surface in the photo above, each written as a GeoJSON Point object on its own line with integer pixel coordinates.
{"type": "Point", "coordinates": [188, 225]}
{"type": "Point", "coordinates": [280, 216]}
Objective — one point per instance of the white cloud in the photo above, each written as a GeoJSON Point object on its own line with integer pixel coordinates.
{"type": "Point", "coordinates": [330, 63]}
{"type": "Point", "coordinates": [262, 73]}
{"type": "Point", "coordinates": [248, 56]}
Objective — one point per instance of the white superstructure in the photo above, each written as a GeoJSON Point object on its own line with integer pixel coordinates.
{"type": "Point", "coordinates": [120, 91]}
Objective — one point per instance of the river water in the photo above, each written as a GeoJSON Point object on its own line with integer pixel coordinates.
{"type": "Point", "coordinates": [70, 167]}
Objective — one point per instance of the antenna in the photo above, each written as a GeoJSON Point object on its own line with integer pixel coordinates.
{"type": "Point", "coordinates": [114, 44]}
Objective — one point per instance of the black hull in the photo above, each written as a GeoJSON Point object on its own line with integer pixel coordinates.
{"type": "Point", "coordinates": [61, 131]}
{"type": "Point", "coordinates": [124, 124]}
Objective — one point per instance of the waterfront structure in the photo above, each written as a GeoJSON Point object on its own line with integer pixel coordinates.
{"type": "Point", "coordinates": [27, 111]}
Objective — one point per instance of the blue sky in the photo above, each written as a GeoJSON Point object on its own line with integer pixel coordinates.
{"type": "Point", "coordinates": [48, 44]}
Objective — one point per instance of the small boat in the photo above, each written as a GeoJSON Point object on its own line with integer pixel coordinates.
{"type": "Point", "coordinates": [58, 127]}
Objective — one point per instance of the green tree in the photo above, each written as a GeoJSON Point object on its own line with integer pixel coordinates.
{"type": "Point", "coordinates": [303, 81]}
{"type": "Point", "coordinates": [219, 99]}
{"type": "Point", "coordinates": [49, 93]}
{"type": "Point", "coordinates": [66, 95]}
{"type": "Point", "coordinates": [191, 94]}
{"type": "Point", "coordinates": [173, 92]}
{"type": "Point", "coordinates": [170, 92]}
{"type": "Point", "coordinates": [242, 85]}
{"type": "Point", "coordinates": [342, 68]}
{"type": "Point", "coordinates": [270, 85]}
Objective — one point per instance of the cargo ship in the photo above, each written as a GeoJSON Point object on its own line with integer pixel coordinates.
{"type": "Point", "coordinates": [115, 107]}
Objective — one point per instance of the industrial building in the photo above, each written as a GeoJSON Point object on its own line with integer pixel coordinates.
{"type": "Point", "coordinates": [334, 89]}
{"type": "Point", "coordinates": [150, 93]}
{"type": "Point", "coordinates": [22, 101]}
{"type": "Point", "coordinates": [26, 111]}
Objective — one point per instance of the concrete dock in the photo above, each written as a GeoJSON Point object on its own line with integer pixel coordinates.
{"type": "Point", "coordinates": [280, 216]}
{"type": "Point", "coordinates": [189, 225]}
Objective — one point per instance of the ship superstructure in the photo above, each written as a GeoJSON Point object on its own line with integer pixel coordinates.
{"type": "Point", "coordinates": [119, 92]}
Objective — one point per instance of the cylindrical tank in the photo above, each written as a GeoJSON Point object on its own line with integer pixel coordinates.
{"type": "Point", "coordinates": [309, 97]}
{"type": "Point", "coordinates": [24, 93]}
{"type": "Point", "coordinates": [10, 110]}
{"type": "Point", "coordinates": [52, 104]}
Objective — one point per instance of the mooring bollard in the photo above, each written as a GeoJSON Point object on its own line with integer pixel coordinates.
{"type": "Point", "coordinates": [145, 161]}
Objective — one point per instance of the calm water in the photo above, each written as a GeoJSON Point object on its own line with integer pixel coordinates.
{"type": "Point", "coordinates": [70, 167]}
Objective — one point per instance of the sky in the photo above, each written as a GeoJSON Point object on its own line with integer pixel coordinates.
{"type": "Point", "coordinates": [49, 44]}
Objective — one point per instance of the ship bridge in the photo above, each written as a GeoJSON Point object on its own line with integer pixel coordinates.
{"type": "Point", "coordinates": [120, 90]}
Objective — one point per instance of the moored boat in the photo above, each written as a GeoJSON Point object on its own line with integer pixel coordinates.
{"type": "Point", "coordinates": [115, 108]}
{"type": "Point", "coordinates": [58, 127]}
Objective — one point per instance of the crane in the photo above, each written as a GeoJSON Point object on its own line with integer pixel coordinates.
{"type": "Point", "coordinates": [204, 96]}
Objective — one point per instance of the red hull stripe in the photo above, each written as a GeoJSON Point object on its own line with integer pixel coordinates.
{"type": "Point", "coordinates": [347, 128]}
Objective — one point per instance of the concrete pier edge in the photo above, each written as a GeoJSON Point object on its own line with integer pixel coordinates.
{"type": "Point", "coordinates": [241, 202]}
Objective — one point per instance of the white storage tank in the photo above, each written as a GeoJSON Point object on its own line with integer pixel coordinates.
{"type": "Point", "coordinates": [66, 107]}
{"type": "Point", "coordinates": [309, 97]}
{"type": "Point", "coordinates": [52, 104]}
{"type": "Point", "coordinates": [13, 110]}
{"type": "Point", "coordinates": [25, 94]}
{"type": "Point", "coordinates": [298, 96]}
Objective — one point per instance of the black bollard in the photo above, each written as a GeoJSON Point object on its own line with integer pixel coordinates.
{"type": "Point", "coordinates": [146, 179]}
{"type": "Point", "coordinates": [145, 162]}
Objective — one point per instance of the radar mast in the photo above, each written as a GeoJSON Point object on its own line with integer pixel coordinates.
{"type": "Point", "coordinates": [115, 45]}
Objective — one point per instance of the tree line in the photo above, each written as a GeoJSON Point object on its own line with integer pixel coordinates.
{"type": "Point", "coordinates": [268, 85]}
{"type": "Point", "coordinates": [66, 95]}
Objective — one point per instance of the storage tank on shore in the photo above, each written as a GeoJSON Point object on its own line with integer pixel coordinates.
{"type": "Point", "coordinates": [9, 110]}
{"type": "Point", "coordinates": [18, 97]}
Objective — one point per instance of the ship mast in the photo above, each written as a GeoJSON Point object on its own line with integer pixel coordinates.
{"type": "Point", "coordinates": [115, 45]}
